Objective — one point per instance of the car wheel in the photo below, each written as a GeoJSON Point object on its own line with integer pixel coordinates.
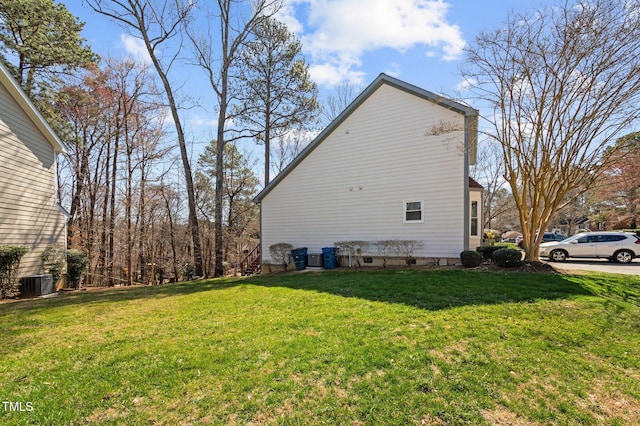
{"type": "Point", "coordinates": [558, 255]}
{"type": "Point", "coordinates": [623, 256]}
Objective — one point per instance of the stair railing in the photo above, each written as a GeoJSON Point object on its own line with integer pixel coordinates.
{"type": "Point", "coordinates": [250, 265]}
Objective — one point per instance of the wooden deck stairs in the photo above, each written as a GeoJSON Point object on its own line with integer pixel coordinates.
{"type": "Point", "coordinates": [251, 265]}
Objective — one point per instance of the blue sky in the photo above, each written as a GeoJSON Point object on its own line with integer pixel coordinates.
{"type": "Point", "coordinates": [418, 41]}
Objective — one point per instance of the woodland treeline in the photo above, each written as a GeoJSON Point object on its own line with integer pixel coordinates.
{"type": "Point", "coordinates": [559, 86]}
{"type": "Point", "coordinates": [121, 179]}
{"type": "Point", "coordinates": [143, 206]}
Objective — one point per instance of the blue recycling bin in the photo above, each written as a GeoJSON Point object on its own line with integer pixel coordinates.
{"type": "Point", "coordinates": [330, 259]}
{"type": "Point", "coordinates": [300, 258]}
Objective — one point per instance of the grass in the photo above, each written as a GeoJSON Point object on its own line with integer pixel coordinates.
{"type": "Point", "coordinates": [360, 348]}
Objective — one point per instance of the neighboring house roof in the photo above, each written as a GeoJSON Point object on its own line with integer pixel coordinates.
{"type": "Point", "coordinates": [379, 81]}
{"type": "Point", "coordinates": [16, 92]}
{"type": "Point", "coordinates": [474, 184]}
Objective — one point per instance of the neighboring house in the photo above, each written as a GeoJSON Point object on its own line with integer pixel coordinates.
{"type": "Point", "coordinates": [393, 165]}
{"type": "Point", "coordinates": [29, 212]}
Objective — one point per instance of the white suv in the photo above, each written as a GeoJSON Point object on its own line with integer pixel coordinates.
{"type": "Point", "coordinates": [619, 247]}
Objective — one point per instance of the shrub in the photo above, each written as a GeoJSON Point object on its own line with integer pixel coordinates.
{"type": "Point", "coordinates": [487, 252]}
{"type": "Point", "coordinates": [354, 249]}
{"type": "Point", "coordinates": [188, 270]}
{"type": "Point", "coordinates": [77, 262]}
{"type": "Point", "coordinates": [507, 257]}
{"type": "Point", "coordinates": [53, 259]}
{"type": "Point", "coordinates": [281, 252]}
{"type": "Point", "coordinates": [470, 259]}
{"type": "Point", "coordinates": [406, 249]}
{"type": "Point", "coordinates": [386, 248]}
{"type": "Point", "coordinates": [10, 257]}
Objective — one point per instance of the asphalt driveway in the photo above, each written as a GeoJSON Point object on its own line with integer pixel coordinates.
{"type": "Point", "coordinates": [597, 265]}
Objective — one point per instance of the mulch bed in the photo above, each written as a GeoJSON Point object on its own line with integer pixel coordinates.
{"type": "Point", "coordinates": [535, 267]}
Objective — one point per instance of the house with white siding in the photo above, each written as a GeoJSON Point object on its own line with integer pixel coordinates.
{"type": "Point", "coordinates": [393, 166]}
{"type": "Point", "coordinates": [29, 211]}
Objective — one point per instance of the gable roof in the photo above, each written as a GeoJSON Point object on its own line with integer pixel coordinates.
{"type": "Point", "coordinates": [21, 98]}
{"type": "Point", "coordinates": [474, 184]}
{"type": "Point", "coordinates": [366, 93]}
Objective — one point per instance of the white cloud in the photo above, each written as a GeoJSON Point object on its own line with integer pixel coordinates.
{"type": "Point", "coordinates": [287, 16]}
{"type": "Point", "coordinates": [393, 69]}
{"type": "Point", "coordinates": [135, 48]}
{"type": "Point", "coordinates": [334, 73]}
{"type": "Point", "coordinates": [337, 33]}
{"type": "Point", "coordinates": [465, 84]}
{"type": "Point", "coordinates": [200, 121]}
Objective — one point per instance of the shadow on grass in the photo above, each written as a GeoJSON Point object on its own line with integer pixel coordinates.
{"type": "Point", "coordinates": [426, 289]}
{"type": "Point", "coordinates": [433, 290]}
{"type": "Point", "coordinates": [121, 294]}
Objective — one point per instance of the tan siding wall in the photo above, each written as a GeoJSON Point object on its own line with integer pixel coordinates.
{"type": "Point", "coordinates": [382, 148]}
{"type": "Point", "coordinates": [28, 214]}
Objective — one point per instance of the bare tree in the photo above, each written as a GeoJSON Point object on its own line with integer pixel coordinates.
{"type": "Point", "coordinates": [489, 171]}
{"type": "Point", "coordinates": [338, 101]}
{"type": "Point", "coordinates": [233, 30]}
{"type": "Point", "coordinates": [289, 146]}
{"type": "Point", "coordinates": [112, 136]}
{"type": "Point", "coordinates": [561, 83]}
{"type": "Point", "coordinates": [156, 23]}
{"type": "Point", "coordinates": [617, 193]}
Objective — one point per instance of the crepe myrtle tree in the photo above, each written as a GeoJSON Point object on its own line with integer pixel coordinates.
{"type": "Point", "coordinates": [559, 85]}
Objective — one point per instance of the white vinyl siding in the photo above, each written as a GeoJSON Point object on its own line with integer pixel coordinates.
{"type": "Point", "coordinates": [352, 185]}
{"type": "Point", "coordinates": [28, 212]}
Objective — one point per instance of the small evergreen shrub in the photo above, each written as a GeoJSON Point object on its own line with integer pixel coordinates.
{"type": "Point", "coordinates": [507, 258]}
{"type": "Point", "coordinates": [77, 262]}
{"type": "Point", "coordinates": [487, 252]}
{"type": "Point", "coordinates": [53, 258]}
{"type": "Point", "coordinates": [188, 270]}
{"type": "Point", "coordinates": [10, 257]}
{"type": "Point", "coordinates": [470, 259]}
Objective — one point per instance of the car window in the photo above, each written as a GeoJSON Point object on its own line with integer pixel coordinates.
{"type": "Point", "coordinates": [576, 237]}
{"type": "Point", "coordinates": [591, 239]}
{"type": "Point", "coordinates": [613, 238]}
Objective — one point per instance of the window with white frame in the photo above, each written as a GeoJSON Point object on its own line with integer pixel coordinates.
{"type": "Point", "coordinates": [474, 218]}
{"type": "Point", "coordinates": [414, 211]}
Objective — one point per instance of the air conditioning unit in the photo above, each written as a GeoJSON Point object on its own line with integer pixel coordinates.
{"type": "Point", "coordinates": [36, 285]}
{"type": "Point", "coordinates": [314, 260]}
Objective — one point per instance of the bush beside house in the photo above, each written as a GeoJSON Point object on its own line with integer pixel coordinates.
{"type": "Point", "coordinates": [77, 262]}
{"type": "Point", "coordinates": [508, 258]}
{"type": "Point", "coordinates": [470, 259]}
{"type": "Point", "coordinates": [10, 257]}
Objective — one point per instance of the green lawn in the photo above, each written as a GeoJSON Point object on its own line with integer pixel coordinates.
{"type": "Point", "coordinates": [338, 348]}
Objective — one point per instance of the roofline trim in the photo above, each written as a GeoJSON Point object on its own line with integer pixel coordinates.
{"type": "Point", "coordinates": [29, 108]}
{"type": "Point", "coordinates": [359, 100]}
